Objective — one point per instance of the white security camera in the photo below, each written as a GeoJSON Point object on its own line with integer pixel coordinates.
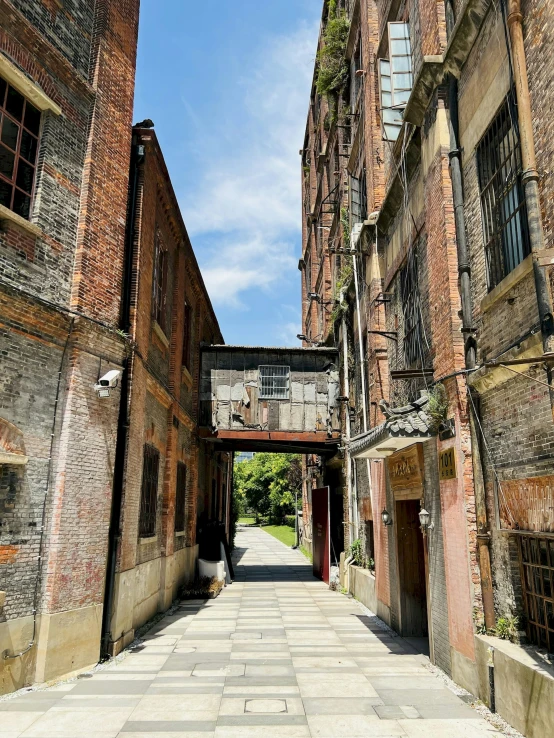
{"type": "Point", "coordinates": [105, 383]}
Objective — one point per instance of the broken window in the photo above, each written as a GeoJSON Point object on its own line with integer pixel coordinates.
{"type": "Point", "coordinates": [274, 382]}
{"type": "Point", "coordinates": [180, 497]}
{"type": "Point", "coordinates": [159, 286]}
{"type": "Point", "coordinates": [19, 139]}
{"type": "Point", "coordinates": [504, 213]}
{"type": "Point", "coordinates": [395, 79]}
{"type": "Point", "coordinates": [149, 492]}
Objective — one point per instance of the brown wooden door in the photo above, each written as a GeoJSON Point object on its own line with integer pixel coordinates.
{"type": "Point", "coordinates": [411, 570]}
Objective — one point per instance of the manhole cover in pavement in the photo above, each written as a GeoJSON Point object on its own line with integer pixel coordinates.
{"type": "Point", "coordinates": [265, 706]}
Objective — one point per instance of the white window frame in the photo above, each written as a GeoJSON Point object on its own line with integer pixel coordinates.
{"type": "Point", "coordinates": [395, 79]}
{"type": "Point", "coordinates": [270, 379]}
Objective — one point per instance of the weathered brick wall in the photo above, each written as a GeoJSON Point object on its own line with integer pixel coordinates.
{"type": "Point", "coordinates": [66, 24]}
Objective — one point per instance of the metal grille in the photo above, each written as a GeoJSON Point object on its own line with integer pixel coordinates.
{"type": "Point", "coordinates": [160, 283]}
{"type": "Point", "coordinates": [149, 492]}
{"type": "Point", "coordinates": [503, 208]}
{"type": "Point", "coordinates": [180, 497]}
{"type": "Point", "coordinates": [187, 336]}
{"type": "Point", "coordinates": [537, 563]}
{"type": "Point", "coordinates": [411, 312]}
{"type": "Point", "coordinates": [19, 132]}
{"type": "Point", "coordinates": [274, 382]}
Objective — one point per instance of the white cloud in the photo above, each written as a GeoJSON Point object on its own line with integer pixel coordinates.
{"type": "Point", "coordinates": [247, 205]}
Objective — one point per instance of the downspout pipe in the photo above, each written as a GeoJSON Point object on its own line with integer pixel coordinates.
{"type": "Point", "coordinates": [530, 176]}
{"type": "Point", "coordinates": [346, 443]}
{"type": "Point", "coordinates": [470, 346]}
{"type": "Point", "coordinates": [114, 535]}
{"type": "Point", "coordinates": [362, 370]}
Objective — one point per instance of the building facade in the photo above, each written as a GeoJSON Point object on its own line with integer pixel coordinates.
{"type": "Point", "coordinates": [170, 478]}
{"type": "Point", "coordinates": [66, 87]}
{"type": "Point", "coordinates": [426, 259]}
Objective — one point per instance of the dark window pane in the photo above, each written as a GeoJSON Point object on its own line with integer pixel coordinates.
{"type": "Point", "coordinates": [25, 176]}
{"type": "Point", "coordinates": [14, 103]}
{"type": "Point", "coordinates": [10, 132]}
{"type": "Point", "coordinates": [3, 87]}
{"type": "Point", "coordinates": [22, 204]}
{"type": "Point", "coordinates": [32, 118]}
{"type": "Point", "coordinates": [28, 147]}
{"type": "Point", "coordinates": [7, 159]}
{"type": "Point", "coordinates": [5, 194]}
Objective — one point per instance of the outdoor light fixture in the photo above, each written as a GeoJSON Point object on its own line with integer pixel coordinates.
{"type": "Point", "coordinates": [425, 519]}
{"type": "Point", "coordinates": [301, 337]}
{"type": "Point", "coordinates": [386, 518]}
{"type": "Point", "coordinates": [313, 296]}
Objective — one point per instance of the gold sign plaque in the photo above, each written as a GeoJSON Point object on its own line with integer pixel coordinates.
{"type": "Point", "coordinates": [406, 472]}
{"type": "Point", "coordinates": [447, 464]}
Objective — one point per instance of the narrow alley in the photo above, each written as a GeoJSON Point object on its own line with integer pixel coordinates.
{"type": "Point", "coordinates": [277, 654]}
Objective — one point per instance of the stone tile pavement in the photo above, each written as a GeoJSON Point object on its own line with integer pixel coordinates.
{"type": "Point", "coordinates": [276, 655]}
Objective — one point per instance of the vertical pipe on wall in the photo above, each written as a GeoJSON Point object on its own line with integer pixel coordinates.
{"type": "Point", "coordinates": [470, 348]}
{"type": "Point", "coordinates": [347, 427]}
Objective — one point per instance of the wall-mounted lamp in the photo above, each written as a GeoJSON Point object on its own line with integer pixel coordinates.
{"type": "Point", "coordinates": [314, 296]}
{"type": "Point", "coordinates": [386, 517]}
{"type": "Point", "coordinates": [425, 519]}
{"type": "Point", "coordinates": [301, 337]}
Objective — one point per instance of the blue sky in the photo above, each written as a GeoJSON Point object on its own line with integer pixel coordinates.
{"type": "Point", "coordinates": [227, 85]}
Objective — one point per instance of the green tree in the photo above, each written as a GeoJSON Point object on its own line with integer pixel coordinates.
{"type": "Point", "coordinates": [267, 484]}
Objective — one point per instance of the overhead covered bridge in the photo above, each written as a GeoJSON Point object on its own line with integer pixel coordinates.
{"type": "Point", "coordinates": [270, 399]}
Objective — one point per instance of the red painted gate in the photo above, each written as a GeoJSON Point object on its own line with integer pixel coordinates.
{"type": "Point", "coordinates": [321, 533]}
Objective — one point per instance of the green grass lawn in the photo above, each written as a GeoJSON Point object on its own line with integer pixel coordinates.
{"type": "Point", "coordinates": [283, 533]}
{"type": "Point", "coordinates": [247, 521]}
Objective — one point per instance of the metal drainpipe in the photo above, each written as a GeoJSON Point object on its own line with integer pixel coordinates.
{"type": "Point", "coordinates": [347, 427]}
{"type": "Point", "coordinates": [114, 535]}
{"type": "Point", "coordinates": [530, 177]}
{"type": "Point", "coordinates": [362, 370]}
{"type": "Point", "coordinates": [464, 275]}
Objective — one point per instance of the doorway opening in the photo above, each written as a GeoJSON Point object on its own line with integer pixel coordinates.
{"type": "Point", "coordinates": [412, 579]}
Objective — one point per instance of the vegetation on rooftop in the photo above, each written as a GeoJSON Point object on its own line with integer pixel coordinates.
{"type": "Point", "coordinates": [332, 73]}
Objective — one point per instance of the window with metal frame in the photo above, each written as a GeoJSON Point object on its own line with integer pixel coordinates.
{"type": "Point", "coordinates": [411, 312]}
{"type": "Point", "coordinates": [504, 213]}
{"type": "Point", "coordinates": [308, 272]}
{"type": "Point", "coordinates": [395, 79]}
{"type": "Point", "coordinates": [187, 337]}
{"type": "Point", "coordinates": [180, 497]}
{"type": "Point", "coordinates": [149, 492]}
{"type": "Point", "coordinates": [19, 142]}
{"type": "Point", "coordinates": [274, 382]}
{"type": "Point", "coordinates": [537, 573]}
{"type": "Point", "coordinates": [159, 286]}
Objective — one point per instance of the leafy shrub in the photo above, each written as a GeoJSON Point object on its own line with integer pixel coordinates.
{"type": "Point", "coordinates": [506, 628]}
{"type": "Point", "coordinates": [332, 66]}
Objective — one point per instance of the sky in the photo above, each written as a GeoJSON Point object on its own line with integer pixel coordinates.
{"type": "Point", "coordinates": [227, 84]}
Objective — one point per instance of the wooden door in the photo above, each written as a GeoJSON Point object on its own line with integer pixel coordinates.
{"type": "Point", "coordinates": [411, 570]}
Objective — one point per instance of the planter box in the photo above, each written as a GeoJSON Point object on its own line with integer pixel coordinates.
{"type": "Point", "coordinates": [361, 583]}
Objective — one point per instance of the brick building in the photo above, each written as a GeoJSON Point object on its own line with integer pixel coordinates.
{"type": "Point", "coordinates": [426, 235]}
{"type": "Point", "coordinates": [169, 317]}
{"type": "Point", "coordinates": [66, 88]}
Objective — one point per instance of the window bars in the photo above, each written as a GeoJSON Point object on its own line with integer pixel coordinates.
{"type": "Point", "coordinates": [274, 382]}
{"type": "Point", "coordinates": [411, 312]}
{"type": "Point", "coordinates": [19, 132]}
{"type": "Point", "coordinates": [504, 213]}
{"type": "Point", "coordinates": [187, 337]}
{"type": "Point", "coordinates": [180, 497]}
{"type": "Point", "coordinates": [159, 287]}
{"type": "Point", "coordinates": [537, 574]}
{"type": "Point", "coordinates": [149, 492]}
